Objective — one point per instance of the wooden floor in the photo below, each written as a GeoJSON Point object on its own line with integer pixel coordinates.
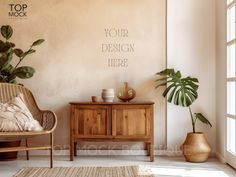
{"type": "Point", "coordinates": [162, 166]}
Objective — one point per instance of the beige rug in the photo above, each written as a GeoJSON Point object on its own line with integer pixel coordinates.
{"type": "Point", "coordinates": [126, 171]}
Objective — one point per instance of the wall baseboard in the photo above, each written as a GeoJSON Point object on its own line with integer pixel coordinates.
{"type": "Point", "coordinates": [220, 157]}
{"type": "Point", "coordinates": [131, 152]}
{"type": "Point", "coordinates": [103, 152]}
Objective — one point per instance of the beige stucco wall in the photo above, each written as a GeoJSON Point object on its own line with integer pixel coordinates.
{"type": "Point", "coordinates": [70, 64]}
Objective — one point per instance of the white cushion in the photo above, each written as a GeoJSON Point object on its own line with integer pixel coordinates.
{"type": "Point", "coordinates": [15, 116]}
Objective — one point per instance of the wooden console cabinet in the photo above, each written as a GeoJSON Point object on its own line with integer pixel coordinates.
{"type": "Point", "coordinates": [116, 121]}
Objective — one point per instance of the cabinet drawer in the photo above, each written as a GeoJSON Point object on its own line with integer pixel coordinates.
{"type": "Point", "coordinates": [89, 120]}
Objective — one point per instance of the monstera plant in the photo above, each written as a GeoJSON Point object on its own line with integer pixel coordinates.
{"type": "Point", "coordinates": [8, 50]}
{"type": "Point", "coordinates": [182, 91]}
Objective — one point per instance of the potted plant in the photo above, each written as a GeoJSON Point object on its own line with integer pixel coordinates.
{"type": "Point", "coordinates": [9, 72]}
{"type": "Point", "coordinates": [182, 91]}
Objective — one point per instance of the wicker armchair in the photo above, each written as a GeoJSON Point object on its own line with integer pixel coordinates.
{"type": "Point", "coordinates": [46, 118]}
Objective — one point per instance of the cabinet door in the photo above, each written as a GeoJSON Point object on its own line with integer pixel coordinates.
{"type": "Point", "coordinates": [131, 120]}
{"type": "Point", "coordinates": [91, 120]}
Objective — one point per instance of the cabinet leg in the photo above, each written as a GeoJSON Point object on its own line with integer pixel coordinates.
{"type": "Point", "coordinates": [148, 149]}
{"type": "Point", "coordinates": [151, 147]}
{"type": "Point", "coordinates": [75, 148]}
{"type": "Point", "coordinates": [72, 150]}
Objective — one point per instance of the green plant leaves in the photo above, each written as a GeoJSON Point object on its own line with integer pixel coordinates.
{"type": "Point", "coordinates": [13, 81]}
{"type": "Point", "coordinates": [203, 119]}
{"type": "Point", "coordinates": [30, 51]}
{"type": "Point", "coordinates": [6, 31]}
{"type": "Point", "coordinates": [9, 72]}
{"type": "Point", "coordinates": [12, 45]}
{"type": "Point", "coordinates": [24, 72]}
{"type": "Point", "coordinates": [4, 46]}
{"type": "Point", "coordinates": [180, 91]}
{"type": "Point", "coordinates": [38, 42]}
{"type": "Point", "coordinates": [5, 59]}
{"type": "Point", "coordinates": [22, 54]}
{"type": "Point", "coordinates": [18, 52]}
{"type": "Point", "coordinates": [166, 72]}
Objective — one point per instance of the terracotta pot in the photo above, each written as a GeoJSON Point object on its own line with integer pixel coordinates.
{"type": "Point", "coordinates": [5, 156]}
{"type": "Point", "coordinates": [196, 148]}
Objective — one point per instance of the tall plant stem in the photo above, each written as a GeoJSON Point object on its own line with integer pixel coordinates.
{"type": "Point", "coordinates": [21, 58]}
{"type": "Point", "coordinates": [193, 122]}
{"type": "Point", "coordinates": [18, 63]}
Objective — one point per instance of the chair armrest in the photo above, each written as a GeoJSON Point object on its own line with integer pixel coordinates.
{"type": "Point", "coordinates": [49, 120]}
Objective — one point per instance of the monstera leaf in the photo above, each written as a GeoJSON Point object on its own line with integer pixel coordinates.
{"type": "Point", "coordinates": [203, 119]}
{"type": "Point", "coordinates": [179, 90]}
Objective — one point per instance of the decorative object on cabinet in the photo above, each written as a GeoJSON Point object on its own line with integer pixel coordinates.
{"type": "Point", "coordinates": [94, 98]}
{"type": "Point", "coordinates": [182, 91]}
{"type": "Point", "coordinates": [126, 93]}
{"type": "Point", "coordinates": [116, 121]}
{"type": "Point", "coordinates": [46, 118]}
{"type": "Point", "coordinates": [108, 95]}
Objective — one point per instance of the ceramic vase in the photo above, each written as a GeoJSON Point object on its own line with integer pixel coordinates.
{"type": "Point", "coordinates": [126, 93]}
{"type": "Point", "coordinates": [108, 95]}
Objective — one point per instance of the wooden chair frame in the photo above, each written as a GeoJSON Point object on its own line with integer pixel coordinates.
{"type": "Point", "coordinates": [46, 118]}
